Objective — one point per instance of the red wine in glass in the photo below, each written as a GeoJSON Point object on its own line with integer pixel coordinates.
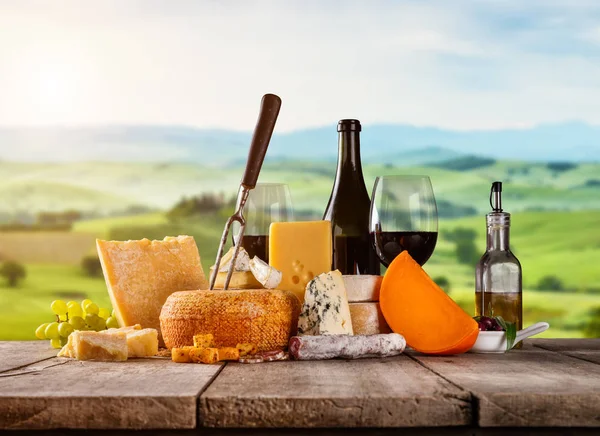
{"type": "Point", "coordinates": [403, 217]}
{"type": "Point", "coordinates": [388, 245]}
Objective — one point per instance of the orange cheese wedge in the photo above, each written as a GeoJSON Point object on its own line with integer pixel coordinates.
{"type": "Point", "coordinates": [414, 306]}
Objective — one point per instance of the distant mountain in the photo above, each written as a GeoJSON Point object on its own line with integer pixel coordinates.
{"type": "Point", "coordinates": [398, 144]}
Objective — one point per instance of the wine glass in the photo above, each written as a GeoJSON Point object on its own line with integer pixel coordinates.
{"type": "Point", "coordinates": [267, 203]}
{"type": "Point", "coordinates": [403, 217]}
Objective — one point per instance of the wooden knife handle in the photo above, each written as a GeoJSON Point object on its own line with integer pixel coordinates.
{"type": "Point", "coordinates": [269, 110]}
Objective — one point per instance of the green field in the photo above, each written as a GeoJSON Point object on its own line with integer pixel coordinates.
{"type": "Point", "coordinates": [562, 244]}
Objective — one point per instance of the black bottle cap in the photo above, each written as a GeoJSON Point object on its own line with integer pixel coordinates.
{"type": "Point", "coordinates": [348, 126]}
{"type": "Point", "coordinates": [497, 187]}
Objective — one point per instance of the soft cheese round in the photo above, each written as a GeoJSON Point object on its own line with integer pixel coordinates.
{"type": "Point", "coordinates": [363, 288]}
{"type": "Point", "coordinates": [367, 319]}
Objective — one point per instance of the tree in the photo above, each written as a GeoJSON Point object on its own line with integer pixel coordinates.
{"type": "Point", "coordinates": [550, 283]}
{"type": "Point", "coordinates": [466, 252]}
{"type": "Point", "coordinates": [91, 266]}
{"type": "Point", "coordinates": [13, 272]}
{"type": "Point", "coordinates": [592, 329]}
{"type": "Point", "coordinates": [443, 282]}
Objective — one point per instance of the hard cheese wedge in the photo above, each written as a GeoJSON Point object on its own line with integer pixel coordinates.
{"type": "Point", "coordinates": [364, 288]}
{"type": "Point", "coordinates": [301, 251]}
{"type": "Point", "coordinates": [97, 346]}
{"type": "Point", "coordinates": [140, 275]}
{"type": "Point", "coordinates": [414, 306]}
{"type": "Point", "coordinates": [325, 310]}
{"type": "Point", "coordinates": [142, 343]}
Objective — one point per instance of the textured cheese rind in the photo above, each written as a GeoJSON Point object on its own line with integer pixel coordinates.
{"type": "Point", "coordinates": [325, 310]}
{"type": "Point", "coordinates": [367, 319]}
{"type": "Point", "coordinates": [265, 317]}
{"type": "Point", "coordinates": [301, 251]}
{"type": "Point", "coordinates": [363, 288]}
{"type": "Point", "coordinates": [140, 275]}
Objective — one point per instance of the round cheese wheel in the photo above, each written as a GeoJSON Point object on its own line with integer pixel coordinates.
{"type": "Point", "coordinates": [367, 319]}
{"type": "Point", "coordinates": [364, 288]}
{"type": "Point", "coordinates": [264, 317]}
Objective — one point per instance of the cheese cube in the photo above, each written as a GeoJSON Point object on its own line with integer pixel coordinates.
{"type": "Point", "coordinates": [229, 353]}
{"type": "Point", "coordinates": [203, 341]}
{"type": "Point", "coordinates": [301, 251]}
{"type": "Point", "coordinates": [181, 355]}
{"type": "Point", "coordinates": [97, 346]}
{"type": "Point", "coordinates": [325, 310]}
{"type": "Point", "coordinates": [140, 275]}
{"type": "Point", "coordinates": [204, 355]}
{"type": "Point", "coordinates": [142, 343]}
{"type": "Point", "coordinates": [247, 349]}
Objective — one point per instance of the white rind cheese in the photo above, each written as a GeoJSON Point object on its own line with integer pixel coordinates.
{"type": "Point", "coordinates": [268, 276]}
{"type": "Point", "coordinates": [325, 310]}
{"type": "Point", "coordinates": [362, 289]}
{"type": "Point", "coordinates": [242, 262]}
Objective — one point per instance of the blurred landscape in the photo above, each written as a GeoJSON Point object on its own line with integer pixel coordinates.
{"type": "Point", "coordinates": [60, 189]}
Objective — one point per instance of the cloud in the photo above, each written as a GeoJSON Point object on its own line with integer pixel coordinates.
{"type": "Point", "coordinates": [461, 64]}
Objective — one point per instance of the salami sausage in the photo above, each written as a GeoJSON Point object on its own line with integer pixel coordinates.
{"type": "Point", "coordinates": [346, 346]}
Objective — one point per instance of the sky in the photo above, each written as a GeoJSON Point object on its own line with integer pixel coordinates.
{"type": "Point", "coordinates": [460, 65]}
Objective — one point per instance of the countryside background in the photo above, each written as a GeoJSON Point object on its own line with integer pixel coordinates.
{"type": "Point", "coordinates": [52, 211]}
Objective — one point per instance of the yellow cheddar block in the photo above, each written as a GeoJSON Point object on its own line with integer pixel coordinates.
{"type": "Point", "coordinates": [301, 251]}
{"type": "Point", "coordinates": [246, 349]}
{"type": "Point", "coordinates": [204, 355]}
{"type": "Point", "coordinates": [181, 355]}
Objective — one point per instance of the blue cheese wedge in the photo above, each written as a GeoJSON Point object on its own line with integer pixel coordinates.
{"type": "Point", "coordinates": [325, 310]}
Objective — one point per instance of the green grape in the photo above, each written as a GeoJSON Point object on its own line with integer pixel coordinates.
{"type": "Point", "coordinates": [103, 313]}
{"type": "Point", "coordinates": [55, 343]}
{"type": "Point", "coordinates": [112, 323]}
{"type": "Point", "coordinates": [65, 329]}
{"type": "Point", "coordinates": [62, 318]}
{"type": "Point", "coordinates": [91, 308]}
{"type": "Point", "coordinates": [40, 332]}
{"type": "Point", "coordinates": [74, 309]}
{"type": "Point", "coordinates": [77, 322]}
{"type": "Point", "coordinates": [52, 331]}
{"type": "Point", "coordinates": [85, 303]}
{"type": "Point", "coordinates": [93, 320]}
{"type": "Point", "coordinates": [59, 307]}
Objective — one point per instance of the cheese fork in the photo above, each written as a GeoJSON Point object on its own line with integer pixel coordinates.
{"type": "Point", "coordinates": [267, 117]}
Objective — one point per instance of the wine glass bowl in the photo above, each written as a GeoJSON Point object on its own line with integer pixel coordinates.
{"type": "Point", "coordinates": [267, 203]}
{"type": "Point", "coordinates": [403, 217]}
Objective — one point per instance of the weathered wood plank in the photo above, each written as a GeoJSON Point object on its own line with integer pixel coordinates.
{"type": "Point", "coordinates": [137, 394]}
{"type": "Point", "coordinates": [586, 349]}
{"type": "Point", "coordinates": [14, 354]}
{"type": "Point", "coordinates": [529, 387]}
{"type": "Point", "coordinates": [362, 393]}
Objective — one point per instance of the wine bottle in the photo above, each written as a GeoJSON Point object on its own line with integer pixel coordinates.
{"type": "Point", "coordinates": [348, 207]}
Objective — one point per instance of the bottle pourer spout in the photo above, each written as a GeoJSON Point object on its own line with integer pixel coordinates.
{"type": "Point", "coordinates": [496, 197]}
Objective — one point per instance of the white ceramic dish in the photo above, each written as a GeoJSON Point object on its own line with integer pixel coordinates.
{"type": "Point", "coordinates": [495, 342]}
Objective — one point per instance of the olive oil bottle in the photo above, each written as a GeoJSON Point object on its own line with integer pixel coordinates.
{"type": "Point", "coordinates": [498, 276]}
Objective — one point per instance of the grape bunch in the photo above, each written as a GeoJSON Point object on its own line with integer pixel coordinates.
{"type": "Point", "coordinates": [73, 316]}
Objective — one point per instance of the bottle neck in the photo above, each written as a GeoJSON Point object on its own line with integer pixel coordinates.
{"type": "Point", "coordinates": [348, 154]}
{"type": "Point", "coordinates": [498, 237]}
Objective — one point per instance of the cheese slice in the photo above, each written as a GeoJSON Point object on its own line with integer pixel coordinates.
{"type": "Point", "coordinates": [364, 288]}
{"type": "Point", "coordinates": [367, 319]}
{"type": "Point", "coordinates": [325, 310]}
{"type": "Point", "coordinates": [301, 251]}
{"type": "Point", "coordinates": [140, 275]}
{"type": "Point", "coordinates": [142, 343]}
{"type": "Point", "coordinates": [268, 276]}
{"type": "Point", "coordinates": [97, 346]}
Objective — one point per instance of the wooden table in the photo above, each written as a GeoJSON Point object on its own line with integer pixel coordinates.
{"type": "Point", "coordinates": [549, 383]}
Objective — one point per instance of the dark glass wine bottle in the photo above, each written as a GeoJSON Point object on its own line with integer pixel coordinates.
{"type": "Point", "coordinates": [348, 207]}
